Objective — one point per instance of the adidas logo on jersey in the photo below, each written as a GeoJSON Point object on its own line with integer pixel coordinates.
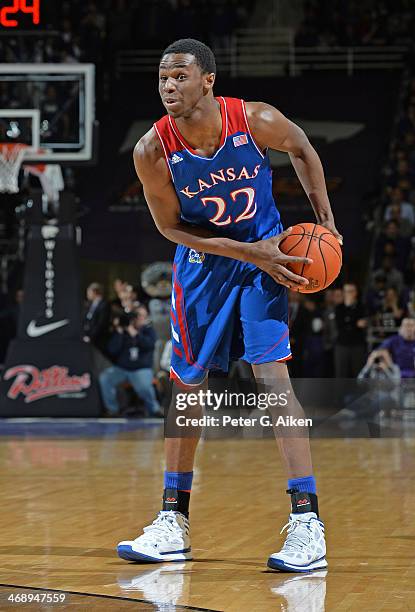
{"type": "Point", "coordinates": [176, 159]}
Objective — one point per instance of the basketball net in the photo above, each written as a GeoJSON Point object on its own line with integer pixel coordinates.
{"type": "Point", "coordinates": [12, 155]}
{"type": "Point", "coordinates": [11, 158]}
{"type": "Point", "coordinates": [50, 177]}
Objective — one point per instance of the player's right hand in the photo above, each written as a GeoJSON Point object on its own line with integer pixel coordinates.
{"type": "Point", "coordinates": [266, 255]}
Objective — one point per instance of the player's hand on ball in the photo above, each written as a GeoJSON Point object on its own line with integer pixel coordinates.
{"type": "Point", "coordinates": [268, 257]}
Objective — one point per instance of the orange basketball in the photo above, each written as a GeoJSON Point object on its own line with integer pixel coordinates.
{"type": "Point", "coordinates": [320, 245]}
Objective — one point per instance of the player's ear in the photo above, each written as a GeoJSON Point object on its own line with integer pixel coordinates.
{"type": "Point", "coordinates": [208, 81]}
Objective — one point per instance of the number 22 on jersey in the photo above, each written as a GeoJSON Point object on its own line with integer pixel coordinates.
{"type": "Point", "coordinates": [221, 206]}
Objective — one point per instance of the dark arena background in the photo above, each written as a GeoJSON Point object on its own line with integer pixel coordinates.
{"type": "Point", "coordinates": [83, 266]}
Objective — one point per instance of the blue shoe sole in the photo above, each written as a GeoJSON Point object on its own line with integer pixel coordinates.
{"type": "Point", "coordinates": [127, 553]}
{"type": "Point", "coordinates": [281, 566]}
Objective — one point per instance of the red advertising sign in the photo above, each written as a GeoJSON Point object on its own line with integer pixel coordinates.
{"type": "Point", "coordinates": [35, 384]}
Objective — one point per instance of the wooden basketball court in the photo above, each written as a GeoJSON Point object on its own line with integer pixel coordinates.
{"type": "Point", "coordinates": [67, 500]}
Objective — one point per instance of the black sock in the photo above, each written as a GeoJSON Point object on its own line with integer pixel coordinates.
{"type": "Point", "coordinates": [303, 502]}
{"type": "Point", "coordinates": [177, 501]}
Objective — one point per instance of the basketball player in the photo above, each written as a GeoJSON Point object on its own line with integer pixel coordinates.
{"type": "Point", "coordinates": [207, 181]}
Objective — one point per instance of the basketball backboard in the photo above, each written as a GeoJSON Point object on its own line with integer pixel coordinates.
{"type": "Point", "coordinates": [54, 105]}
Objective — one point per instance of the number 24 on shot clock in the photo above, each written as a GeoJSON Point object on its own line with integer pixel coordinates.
{"type": "Point", "coordinates": [15, 8]}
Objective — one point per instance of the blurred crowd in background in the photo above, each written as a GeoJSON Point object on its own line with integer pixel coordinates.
{"type": "Point", "coordinates": [331, 23]}
{"type": "Point", "coordinates": [93, 32]}
{"type": "Point", "coordinates": [130, 332]}
{"type": "Point", "coordinates": [390, 296]}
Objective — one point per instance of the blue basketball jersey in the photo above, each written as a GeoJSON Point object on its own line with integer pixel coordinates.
{"type": "Point", "coordinates": [223, 308]}
{"type": "Point", "coordinates": [229, 193]}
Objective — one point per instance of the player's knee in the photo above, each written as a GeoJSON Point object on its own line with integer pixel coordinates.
{"type": "Point", "coordinates": [181, 387]}
{"type": "Point", "coordinates": [271, 370]}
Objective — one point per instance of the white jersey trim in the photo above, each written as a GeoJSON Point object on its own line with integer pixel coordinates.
{"type": "Point", "coordinates": [249, 130]}
{"type": "Point", "coordinates": [177, 134]}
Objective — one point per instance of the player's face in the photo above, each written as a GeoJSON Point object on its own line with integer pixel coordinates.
{"type": "Point", "coordinates": [182, 83]}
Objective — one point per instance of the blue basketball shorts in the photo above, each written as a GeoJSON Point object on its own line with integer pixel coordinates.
{"type": "Point", "coordinates": [224, 309]}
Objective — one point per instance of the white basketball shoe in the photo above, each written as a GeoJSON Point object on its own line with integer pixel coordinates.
{"type": "Point", "coordinates": [166, 539]}
{"type": "Point", "coordinates": [304, 549]}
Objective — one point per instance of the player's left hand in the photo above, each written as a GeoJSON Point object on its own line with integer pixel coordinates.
{"type": "Point", "coordinates": [332, 228]}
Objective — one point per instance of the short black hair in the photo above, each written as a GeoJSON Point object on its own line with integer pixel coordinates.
{"type": "Point", "coordinates": [202, 53]}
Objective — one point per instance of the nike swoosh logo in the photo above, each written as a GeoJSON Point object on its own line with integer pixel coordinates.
{"type": "Point", "coordinates": [34, 331]}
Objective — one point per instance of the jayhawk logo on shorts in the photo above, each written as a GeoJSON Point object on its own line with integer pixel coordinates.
{"type": "Point", "coordinates": [195, 257]}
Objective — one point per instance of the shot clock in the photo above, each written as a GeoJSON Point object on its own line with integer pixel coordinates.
{"type": "Point", "coordinates": [21, 14]}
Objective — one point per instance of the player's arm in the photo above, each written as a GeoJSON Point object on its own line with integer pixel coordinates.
{"type": "Point", "coordinates": [271, 129]}
{"type": "Point", "coordinates": [164, 206]}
